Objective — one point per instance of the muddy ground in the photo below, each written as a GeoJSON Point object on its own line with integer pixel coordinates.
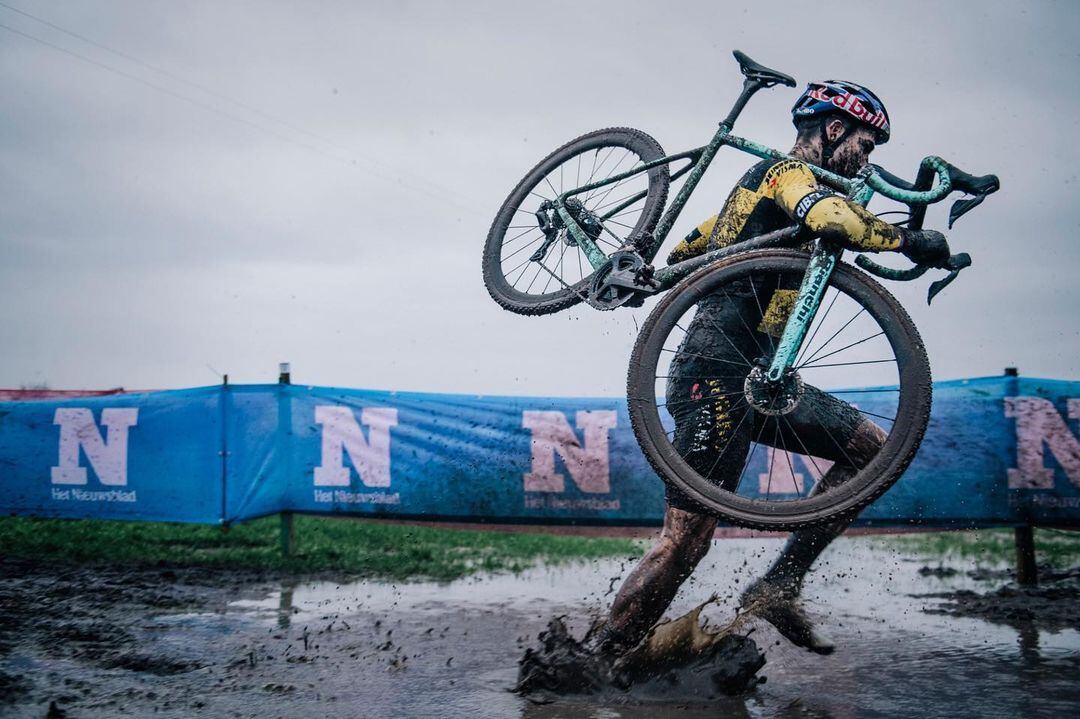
{"type": "Point", "coordinates": [161, 641]}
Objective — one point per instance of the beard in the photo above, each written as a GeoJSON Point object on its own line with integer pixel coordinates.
{"type": "Point", "coordinates": [846, 164]}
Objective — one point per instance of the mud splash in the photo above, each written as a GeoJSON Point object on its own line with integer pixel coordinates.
{"type": "Point", "coordinates": [679, 657]}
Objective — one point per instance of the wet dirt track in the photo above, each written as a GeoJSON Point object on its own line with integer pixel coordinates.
{"type": "Point", "coordinates": [170, 642]}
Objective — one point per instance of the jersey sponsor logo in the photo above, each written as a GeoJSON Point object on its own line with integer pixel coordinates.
{"type": "Point", "coordinates": [806, 203]}
{"type": "Point", "coordinates": [772, 177]}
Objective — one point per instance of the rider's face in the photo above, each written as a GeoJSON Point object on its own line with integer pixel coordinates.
{"type": "Point", "coordinates": [853, 153]}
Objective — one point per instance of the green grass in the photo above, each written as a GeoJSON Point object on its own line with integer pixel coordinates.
{"type": "Point", "coordinates": [1060, 550]}
{"type": "Point", "coordinates": [323, 544]}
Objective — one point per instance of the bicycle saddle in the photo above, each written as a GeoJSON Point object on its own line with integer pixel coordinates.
{"type": "Point", "coordinates": [756, 71]}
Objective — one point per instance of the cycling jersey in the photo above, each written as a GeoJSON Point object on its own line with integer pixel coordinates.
{"type": "Point", "coordinates": [770, 196]}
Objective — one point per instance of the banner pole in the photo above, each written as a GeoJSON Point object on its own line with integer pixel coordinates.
{"type": "Point", "coordinates": [287, 528]}
{"type": "Point", "coordinates": [1027, 571]}
{"type": "Point", "coordinates": [224, 399]}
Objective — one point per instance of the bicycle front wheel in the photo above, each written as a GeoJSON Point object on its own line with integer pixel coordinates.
{"type": "Point", "coordinates": [828, 440]}
{"type": "Point", "coordinates": [527, 273]}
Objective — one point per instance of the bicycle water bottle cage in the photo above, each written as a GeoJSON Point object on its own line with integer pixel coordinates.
{"type": "Point", "coordinates": [759, 73]}
{"type": "Point", "coordinates": [552, 225]}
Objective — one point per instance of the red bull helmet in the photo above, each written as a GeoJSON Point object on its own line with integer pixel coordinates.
{"type": "Point", "coordinates": [820, 98]}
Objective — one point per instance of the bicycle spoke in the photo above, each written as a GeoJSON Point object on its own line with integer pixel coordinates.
{"type": "Point", "coordinates": [846, 364]}
{"type": "Point", "coordinates": [558, 265]}
{"type": "Point", "coordinates": [533, 282]}
{"type": "Point", "coordinates": [626, 212]}
{"type": "Point", "coordinates": [615, 202]}
{"type": "Point", "coordinates": [595, 168]}
{"type": "Point", "coordinates": [820, 324]}
{"type": "Point", "coordinates": [715, 359]}
{"type": "Point", "coordinates": [734, 434]}
{"type": "Point", "coordinates": [761, 312]}
{"type": "Point", "coordinates": [776, 435]}
{"type": "Point", "coordinates": [806, 452]}
{"type": "Point", "coordinates": [861, 391]}
{"type": "Point", "coordinates": [874, 414]}
{"type": "Point", "coordinates": [834, 334]}
{"type": "Point", "coordinates": [707, 376]}
{"type": "Point", "coordinates": [824, 426]}
{"type": "Point", "coordinates": [615, 186]}
{"type": "Point", "coordinates": [558, 279]}
{"type": "Point", "coordinates": [750, 456]}
{"type": "Point", "coordinates": [787, 456]}
{"type": "Point", "coordinates": [522, 234]}
{"type": "Point", "coordinates": [611, 172]}
{"type": "Point", "coordinates": [853, 344]}
{"type": "Point", "coordinates": [721, 331]}
{"type": "Point", "coordinates": [750, 332]}
{"type": "Point", "coordinates": [524, 264]}
{"type": "Point", "coordinates": [518, 251]}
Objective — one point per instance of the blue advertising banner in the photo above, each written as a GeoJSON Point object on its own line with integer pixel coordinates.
{"type": "Point", "coordinates": [1001, 450]}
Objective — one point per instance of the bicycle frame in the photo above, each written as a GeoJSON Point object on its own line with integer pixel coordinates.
{"type": "Point", "coordinates": [823, 259]}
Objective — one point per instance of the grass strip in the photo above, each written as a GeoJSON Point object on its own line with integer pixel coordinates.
{"type": "Point", "coordinates": [323, 544]}
{"type": "Point", "coordinates": [1056, 548]}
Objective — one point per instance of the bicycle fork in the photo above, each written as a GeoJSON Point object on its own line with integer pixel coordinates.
{"type": "Point", "coordinates": [823, 261]}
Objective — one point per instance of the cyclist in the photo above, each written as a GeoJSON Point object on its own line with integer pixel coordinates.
{"type": "Point", "coordinates": [838, 125]}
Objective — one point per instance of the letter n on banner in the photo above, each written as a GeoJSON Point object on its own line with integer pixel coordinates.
{"type": "Point", "coordinates": [107, 455]}
{"type": "Point", "coordinates": [1039, 425]}
{"type": "Point", "coordinates": [341, 433]}
{"type": "Point", "coordinates": [588, 465]}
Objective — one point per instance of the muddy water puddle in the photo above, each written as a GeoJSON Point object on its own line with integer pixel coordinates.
{"type": "Point", "coordinates": [451, 649]}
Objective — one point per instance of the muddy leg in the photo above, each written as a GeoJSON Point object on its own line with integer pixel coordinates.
{"type": "Point", "coordinates": [806, 545]}
{"type": "Point", "coordinates": [652, 584]}
{"type": "Point", "coordinates": [776, 593]}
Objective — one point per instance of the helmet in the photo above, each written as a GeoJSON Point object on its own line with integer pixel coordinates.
{"type": "Point", "coordinates": [820, 98]}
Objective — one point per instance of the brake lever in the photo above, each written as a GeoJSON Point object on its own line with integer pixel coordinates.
{"type": "Point", "coordinates": [962, 206]}
{"type": "Point", "coordinates": [954, 264]}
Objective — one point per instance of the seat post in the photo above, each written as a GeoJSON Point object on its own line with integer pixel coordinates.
{"type": "Point", "coordinates": [750, 86]}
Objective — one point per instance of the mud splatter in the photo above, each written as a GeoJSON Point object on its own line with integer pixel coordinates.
{"type": "Point", "coordinates": [677, 657]}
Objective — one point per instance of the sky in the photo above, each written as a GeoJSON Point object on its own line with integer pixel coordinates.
{"type": "Point", "coordinates": [189, 189]}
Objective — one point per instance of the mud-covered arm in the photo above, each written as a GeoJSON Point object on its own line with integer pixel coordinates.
{"type": "Point", "coordinates": [696, 243]}
{"type": "Point", "coordinates": [795, 190]}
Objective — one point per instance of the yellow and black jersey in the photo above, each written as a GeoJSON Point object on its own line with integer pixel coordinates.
{"type": "Point", "coordinates": [770, 196]}
{"type": "Point", "coordinates": [774, 193]}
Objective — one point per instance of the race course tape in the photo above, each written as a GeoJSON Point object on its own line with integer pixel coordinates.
{"type": "Point", "coordinates": [999, 451]}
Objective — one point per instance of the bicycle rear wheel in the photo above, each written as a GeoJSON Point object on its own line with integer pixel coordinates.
{"type": "Point", "coordinates": [526, 273]}
{"type": "Point", "coordinates": [824, 444]}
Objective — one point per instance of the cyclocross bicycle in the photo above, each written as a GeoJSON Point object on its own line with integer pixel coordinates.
{"type": "Point", "coordinates": [585, 225]}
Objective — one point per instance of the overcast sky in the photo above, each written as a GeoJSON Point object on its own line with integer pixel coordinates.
{"type": "Point", "coordinates": [248, 183]}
